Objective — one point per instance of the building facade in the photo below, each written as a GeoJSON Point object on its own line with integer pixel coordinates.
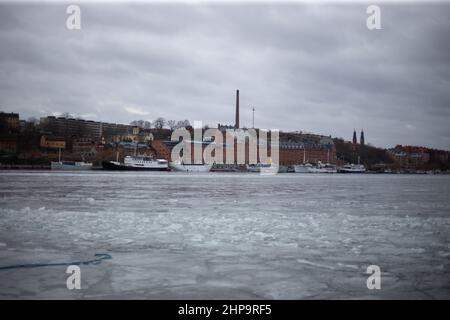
{"type": "Point", "coordinates": [69, 127]}
{"type": "Point", "coordinates": [52, 142]}
{"type": "Point", "coordinates": [9, 123]}
{"type": "Point", "coordinates": [9, 130]}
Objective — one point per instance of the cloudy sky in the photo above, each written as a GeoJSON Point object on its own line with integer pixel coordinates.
{"type": "Point", "coordinates": [314, 68]}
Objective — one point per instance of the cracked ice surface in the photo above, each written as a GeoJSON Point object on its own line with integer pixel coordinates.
{"type": "Point", "coordinates": [241, 236]}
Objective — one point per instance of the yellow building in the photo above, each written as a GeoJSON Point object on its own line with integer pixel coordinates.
{"type": "Point", "coordinates": [52, 142]}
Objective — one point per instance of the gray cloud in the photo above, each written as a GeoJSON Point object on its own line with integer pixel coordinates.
{"type": "Point", "coordinates": [303, 67]}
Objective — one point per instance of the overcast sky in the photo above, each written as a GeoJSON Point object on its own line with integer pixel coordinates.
{"type": "Point", "coordinates": [314, 68]}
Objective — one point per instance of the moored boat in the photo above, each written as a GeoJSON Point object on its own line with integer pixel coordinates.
{"type": "Point", "coordinates": [318, 168]}
{"type": "Point", "coordinates": [352, 168]}
{"type": "Point", "coordinates": [256, 167]}
{"type": "Point", "coordinates": [266, 168]}
{"type": "Point", "coordinates": [190, 167]}
{"type": "Point", "coordinates": [70, 165]}
{"type": "Point", "coordinates": [302, 168]}
{"type": "Point", "coordinates": [137, 163]}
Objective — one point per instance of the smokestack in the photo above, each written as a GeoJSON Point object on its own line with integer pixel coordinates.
{"type": "Point", "coordinates": [237, 110]}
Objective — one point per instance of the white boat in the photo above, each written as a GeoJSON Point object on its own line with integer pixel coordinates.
{"type": "Point", "coordinates": [190, 167]}
{"type": "Point", "coordinates": [302, 168]}
{"type": "Point", "coordinates": [265, 168]}
{"type": "Point", "coordinates": [318, 168]}
{"type": "Point", "coordinates": [324, 168]}
{"type": "Point", "coordinates": [352, 168]}
{"type": "Point", "coordinates": [71, 165]}
{"type": "Point", "coordinates": [137, 163]}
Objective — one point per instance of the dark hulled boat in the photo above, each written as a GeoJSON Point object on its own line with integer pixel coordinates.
{"type": "Point", "coordinates": [137, 163]}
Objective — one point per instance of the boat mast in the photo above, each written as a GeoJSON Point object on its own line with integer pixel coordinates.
{"type": "Point", "coordinates": [304, 154]}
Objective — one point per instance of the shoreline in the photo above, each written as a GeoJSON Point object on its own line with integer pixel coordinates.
{"type": "Point", "coordinates": [48, 168]}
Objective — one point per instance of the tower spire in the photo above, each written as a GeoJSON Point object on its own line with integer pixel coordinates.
{"type": "Point", "coordinates": [253, 118]}
{"type": "Point", "coordinates": [354, 137]}
{"type": "Point", "coordinates": [361, 139]}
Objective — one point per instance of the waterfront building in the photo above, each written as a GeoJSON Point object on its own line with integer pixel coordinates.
{"type": "Point", "coordinates": [410, 156]}
{"type": "Point", "coordinates": [294, 147]}
{"type": "Point", "coordinates": [52, 142]}
{"type": "Point", "coordinates": [9, 123]}
{"type": "Point", "coordinates": [292, 153]}
{"type": "Point", "coordinates": [9, 130]}
{"type": "Point", "coordinates": [70, 127]}
{"type": "Point", "coordinates": [8, 144]}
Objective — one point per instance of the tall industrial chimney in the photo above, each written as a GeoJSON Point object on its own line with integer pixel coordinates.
{"type": "Point", "coordinates": [237, 110]}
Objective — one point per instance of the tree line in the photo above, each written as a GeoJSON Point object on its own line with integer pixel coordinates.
{"type": "Point", "coordinates": [160, 123]}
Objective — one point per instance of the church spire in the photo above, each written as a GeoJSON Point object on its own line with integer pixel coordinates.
{"type": "Point", "coordinates": [361, 139]}
{"type": "Point", "coordinates": [354, 137]}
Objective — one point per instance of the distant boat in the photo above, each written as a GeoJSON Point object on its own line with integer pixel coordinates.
{"type": "Point", "coordinates": [226, 168]}
{"type": "Point", "coordinates": [70, 165]}
{"type": "Point", "coordinates": [190, 167]}
{"type": "Point", "coordinates": [257, 167]}
{"type": "Point", "coordinates": [352, 168]}
{"type": "Point", "coordinates": [318, 168]}
{"type": "Point", "coordinates": [137, 163]}
{"type": "Point", "coordinates": [265, 168]}
{"type": "Point", "coordinates": [302, 168]}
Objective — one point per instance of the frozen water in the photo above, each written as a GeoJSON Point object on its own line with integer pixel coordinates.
{"type": "Point", "coordinates": [241, 236]}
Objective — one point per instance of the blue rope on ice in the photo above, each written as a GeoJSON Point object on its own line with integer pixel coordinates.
{"type": "Point", "coordinates": [99, 258]}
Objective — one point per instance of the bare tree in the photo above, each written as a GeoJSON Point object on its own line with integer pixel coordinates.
{"type": "Point", "coordinates": [66, 115]}
{"type": "Point", "coordinates": [33, 120]}
{"type": "Point", "coordinates": [159, 123]}
{"type": "Point", "coordinates": [183, 124]}
{"type": "Point", "coordinates": [172, 124]}
{"type": "Point", "coordinates": [138, 123]}
{"type": "Point", "coordinates": [147, 125]}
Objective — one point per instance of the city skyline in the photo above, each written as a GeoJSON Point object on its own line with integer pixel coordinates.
{"type": "Point", "coordinates": [302, 67]}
